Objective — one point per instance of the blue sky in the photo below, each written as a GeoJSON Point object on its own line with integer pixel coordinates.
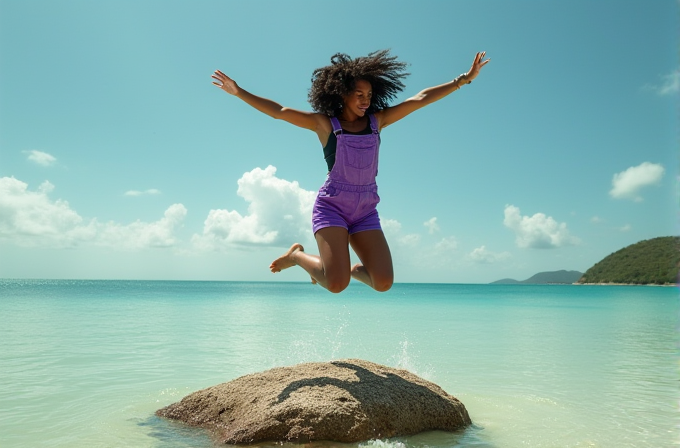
{"type": "Point", "coordinates": [120, 159]}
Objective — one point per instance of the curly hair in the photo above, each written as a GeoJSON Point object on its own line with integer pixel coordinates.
{"type": "Point", "coordinates": [331, 83]}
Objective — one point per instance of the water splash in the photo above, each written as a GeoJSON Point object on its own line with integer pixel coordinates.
{"type": "Point", "coordinates": [383, 444]}
{"type": "Point", "coordinates": [405, 359]}
{"type": "Point", "coordinates": [334, 336]}
{"type": "Point", "coordinates": [319, 347]}
{"type": "Point", "coordinates": [303, 350]}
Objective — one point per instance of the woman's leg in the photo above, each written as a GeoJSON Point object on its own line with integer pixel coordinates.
{"type": "Point", "coordinates": [375, 268]}
{"type": "Point", "coordinates": [331, 268]}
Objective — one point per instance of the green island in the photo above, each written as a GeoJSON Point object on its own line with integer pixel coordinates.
{"type": "Point", "coordinates": [648, 262]}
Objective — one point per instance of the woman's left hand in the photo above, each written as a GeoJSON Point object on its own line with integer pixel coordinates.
{"type": "Point", "coordinates": [477, 65]}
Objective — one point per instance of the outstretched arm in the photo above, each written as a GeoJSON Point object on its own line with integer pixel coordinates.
{"type": "Point", "coordinates": [307, 120]}
{"type": "Point", "coordinates": [428, 96]}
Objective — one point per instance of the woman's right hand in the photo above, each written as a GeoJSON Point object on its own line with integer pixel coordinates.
{"type": "Point", "coordinates": [307, 120]}
{"type": "Point", "coordinates": [224, 82]}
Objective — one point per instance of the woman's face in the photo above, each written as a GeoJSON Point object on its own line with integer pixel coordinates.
{"type": "Point", "coordinates": [358, 101]}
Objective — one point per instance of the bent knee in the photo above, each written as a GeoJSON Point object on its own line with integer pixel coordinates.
{"type": "Point", "coordinates": [383, 284]}
{"type": "Point", "coordinates": [337, 286]}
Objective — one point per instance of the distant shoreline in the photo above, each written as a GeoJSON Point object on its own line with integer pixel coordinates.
{"type": "Point", "coordinates": [626, 284]}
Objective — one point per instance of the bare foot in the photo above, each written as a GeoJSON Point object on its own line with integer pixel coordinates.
{"type": "Point", "coordinates": [285, 261]}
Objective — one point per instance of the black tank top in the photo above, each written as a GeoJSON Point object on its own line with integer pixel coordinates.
{"type": "Point", "coordinates": [332, 144]}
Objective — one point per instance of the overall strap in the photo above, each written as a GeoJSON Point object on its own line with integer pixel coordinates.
{"type": "Point", "coordinates": [374, 123]}
{"type": "Point", "coordinates": [337, 129]}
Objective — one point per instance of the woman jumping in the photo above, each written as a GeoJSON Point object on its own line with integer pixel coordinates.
{"type": "Point", "coordinates": [350, 99]}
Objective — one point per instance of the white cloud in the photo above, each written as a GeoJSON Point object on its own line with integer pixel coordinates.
{"type": "Point", "coordinates": [432, 225]}
{"type": "Point", "coordinates": [31, 218]}
{"type": "Point", "coordinates": [625, 228]}
{"type": "Point", "coordinates": [670, 84]}
{"type": "Point", "coordinates": [139, 235]}
{"type": "Point", "coordinates": [538, 231]}
{"type": "Point", "coordinates": [485, 256]}
{"type": "Point", "coordinates": [416, 253]}
{"type": "Point", "coordinates": [396, 239]}
{"type": "Point", "coordinates": [627, 184]}
{"type": "Point", "coordinates": [279, 213]}
{"type": "Point", "coordinates": [41, 158]}
{"type": "Point", "coordinates": [596, 220]}
{"type": "Point", "coordinates": [390, 226]}
{"type": "Point", "coordinates": [151, 191]}
{"type": "Point", "coordinates": [411, 240]}
{"type": "Point", "coordinates": [447, 244]}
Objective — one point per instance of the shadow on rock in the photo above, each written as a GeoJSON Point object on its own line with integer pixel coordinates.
{"type": "Point", "coordinates": [343, 401]}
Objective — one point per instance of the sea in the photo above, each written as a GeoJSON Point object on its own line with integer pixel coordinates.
{"type": "Point", "coordinates": [87, 363]}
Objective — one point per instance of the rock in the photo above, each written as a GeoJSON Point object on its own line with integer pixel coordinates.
{"type": "Point", "coordinates": [343, 401]}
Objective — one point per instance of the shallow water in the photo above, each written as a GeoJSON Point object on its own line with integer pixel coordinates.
{"type": "Point", "coordinates": [86, 363]}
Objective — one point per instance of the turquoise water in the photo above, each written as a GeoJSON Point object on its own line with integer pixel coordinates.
{"type": "Point", "coordinates": [86, 363]}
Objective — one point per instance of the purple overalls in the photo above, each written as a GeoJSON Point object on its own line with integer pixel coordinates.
{"type": "Point", "coordinates": [349, 196]}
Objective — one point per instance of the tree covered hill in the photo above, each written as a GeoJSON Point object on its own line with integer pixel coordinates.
{"type": "Point", "coordinates": [654, 261]}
